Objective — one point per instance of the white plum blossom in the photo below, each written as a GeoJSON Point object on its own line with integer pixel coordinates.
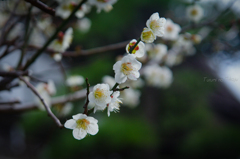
{"type": "Point", "coordinates": [45, 90]}
{"type": "Point", "coordinates": [84, 24]}
{"type": "Point", "coordinates": [100, 96]}
{"type": "Point", "coordinates": [156, 24]}
{"type": "Point", "coordinates": [63, 41]}
{"type": "Point", "coordinates": [57, 57]}
{"type": "Point", "coordinates": [173, 57]}
{"type": "Point", "coordinates": [157, 76]}
{"type": "Point", "coordinates": [131, 97]}
{"type": "Point", "coordinates": [127, 68]}
{"type": "Point", "coordinates": [138, 51]}
{"type": "Point", "coordinates": [82, 125]}
{"type": "Point", "coordinates": [184, 44]}
{"type": "Point", "coordinates": [171, 30]}
{"type": "Point", "coordinates": [147, 35]}
{"type": "Point", "coordinates": [66, 7]}
{"type": "Point", "coordinates": [156, 52]}
{"type": "Point", "coordinates": [65, 109]}
{"type": "Point", "coordinates": [105, 5]}
{"type": "Point", "coordinates": [195, 13]}
{"type": "Point", "coordinates": [113, 106]}
{"type": "Point", "coordinates": [75, 80]}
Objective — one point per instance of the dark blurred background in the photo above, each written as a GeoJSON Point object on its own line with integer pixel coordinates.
{"type": "Point", "coordinates": [191, 119]}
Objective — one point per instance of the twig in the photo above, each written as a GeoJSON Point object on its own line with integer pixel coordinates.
{"type": "Point", "coordinates": [132, 48]}
{"type": "Point", "coordinates": [10, 102]}
{"type": "Point", "coordinates": [96, 50]}
{"type": "Point", "coordinates": [87, 101]}
{"type": "Point", "coordinates": [13, 74]}
{"type": "Point", "coordinates": [56, 120]}
{"type": "Point", "coordinates": [54, 101]}
{"type": "Point", "coordinates": [42, 6]}
{"type": "Point", "coordinates": [39, 52]}
{"type": "Point", "coordinates": [121, 89]}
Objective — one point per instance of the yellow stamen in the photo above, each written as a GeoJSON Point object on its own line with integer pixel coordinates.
{"type": "Point", "coordinates": [82, 123]}
{"type": "Point", "coordinates": [98, 93]}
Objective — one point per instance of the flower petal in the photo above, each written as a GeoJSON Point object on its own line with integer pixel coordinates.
{"type": "Point", "coordinates": [70, 124]}
{"type": "Point", "coordinates": [79, 133]}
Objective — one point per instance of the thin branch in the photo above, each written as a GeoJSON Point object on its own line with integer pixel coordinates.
{"type": "Point", "coordinates": [87, 101]}
{"type": "Point", "coordinates": [121, 89]}
{"type": "Point", "coordinates": [42, 6]}
{"type": "Point", "coordinates": [39, 52]}
{"type": "Point", "coordinates": [56, 120]}
{"type": "Point", "coordinates": [96, 50]}
{"type": "Point", "coordinates": [10, 102]}
{"type": "Point", "coordinates": [54, 101]}
{"type": "Point", "coordinates": [13, 74]}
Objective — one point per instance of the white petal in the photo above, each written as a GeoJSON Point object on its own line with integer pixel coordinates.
{"type": "Point", "coordinates": [79, 133]}
{"type": "Point", "coordinates": [93, 128]}
{"type": "Point", "coordinates": [134, 75]}
{"type": "Point", "coordinates": [117, 66]}
{"type": "Point", "coordinates": [91, 97]}
{"type": "Point", "coordinates": [79, 116]}
{"type": "Point", "coordinates": [120, 78]}
{"type": "Point", "coordinates": [70, 124]}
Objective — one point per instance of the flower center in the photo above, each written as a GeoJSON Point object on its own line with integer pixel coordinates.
{"type": "Point", "coordinates": [169, 29]}
{"type": "Point", "coordinates": [98, 93]}
{"type": "Point", "coordinates": [60, 37]}
{"type": "Point", "coordinates": [154, 25]}
{"type": "Point", "coordinates": [148, 35]}
{"type": "Point", "coordinates": [135, 49]}
{"type": "Point", "coordinates": [126, 68]}
{"type": "Point", "coordinates": [82, 123]}
{"type": "Point", "coordinates": [194, 12]}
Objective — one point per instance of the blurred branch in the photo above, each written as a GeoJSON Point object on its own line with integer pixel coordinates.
{"type": "Point", "coordinates": [39, 52]}
{"type": "Point", "coordinates": [121, 89]}
{"type": "Point", "coordinates": [96, 50]}
{"type": "Point", "coordinates": [56, 120]}
{"type": "Point", "coordinates": [54, 101]}
{"type": "Point", "coordinates": [42, 6]}
{"type": "Point", "coordinates": [10, 102]}
{"type": "Point", "coordinates": [87, 101]}
{"type": "Point", "coordinates": [208, 22]}
{"type": "Point", "coordinates": [13, 74]}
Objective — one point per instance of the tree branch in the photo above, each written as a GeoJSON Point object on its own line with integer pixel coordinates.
{"type": "Point", "coordinates": [56, 120]}
{"type": "Point", "coordinates": [87, 101]}
{"type": "Point", "coordinates": [13, 74]}
{"type": "Point", "coordinates": [42, 6]}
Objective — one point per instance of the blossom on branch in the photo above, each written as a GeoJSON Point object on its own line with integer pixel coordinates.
{"type": "Point", "coordinates": [105, 5]}
{"type": "Point", "coordinates": [63, 41]}
{"type": "Point", "coordinates": [138, 51]}
{"type": "Point", "coordinates": [113, 106]}
{"type": "Point", "coordinates": [156, 52]}
{"type": "Point", "coordinates": [171, 30]}
{"type": "Point", "coordinates": [127, 68]}
{"type": "Point", "coordinates": [100, 96]}
{"type": "Point", "coordinates": [82, 125]}
{"type": "Point", "coordinates": [67, 6]}
{"type": "Point", "coordinates": [76, 80]}
{"type": "Point", "coordinates": [147, 35]}
{"type": "Point", "coordinates": [156, 24]}
{"type": "Point", "coordinates": [157, 76]}
{"type": "Point", "coordinates": [195, 13]}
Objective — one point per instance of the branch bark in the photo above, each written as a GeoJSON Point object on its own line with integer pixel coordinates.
{"type": "Point", "coordinates": [42, 6]}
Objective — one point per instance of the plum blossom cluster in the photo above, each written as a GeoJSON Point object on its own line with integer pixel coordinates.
{"type": "Point", "coordinates": [107, 95]}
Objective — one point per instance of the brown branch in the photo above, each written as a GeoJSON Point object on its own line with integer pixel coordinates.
{"type": "Point", "coordinates": [10, 102]}
{"type": "Point", "coordinates": [87, 101]}
{"type": "Point", "coordinates": [42, 6]}
{"type": "Point", "coordinates": [97, 50]}
{"type": "Point", "coordinates": [54, 101]}
{"type": "Point", "coordinates": [56, 120]}
{"type": "Point", "coordinates": [13, 74]}
{"type": "Point", "coordinates": [121, 89]}
{"type": "Point", "coordinates": [89, 51]}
